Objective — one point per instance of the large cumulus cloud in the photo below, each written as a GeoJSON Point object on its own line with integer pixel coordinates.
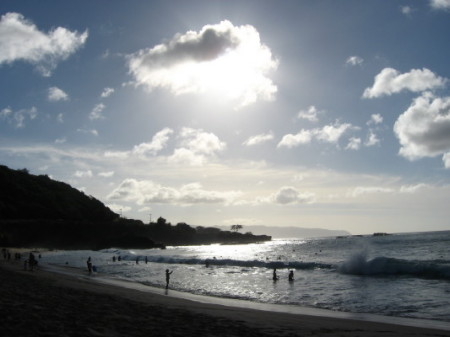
{"type": "Point", "coordinates": [424, 128]}
{"type": "Point", "coordinates": [390, 81]}
{"type": "Point", "coordinates": [217, 55]}
{"type": "Point", "coordinates": [22, 40]}
{"type": "Point", "coordinates": [148, 192]}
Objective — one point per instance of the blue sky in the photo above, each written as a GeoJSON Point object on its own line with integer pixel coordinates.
{"type": "Point", "coordinates": [284, 113]}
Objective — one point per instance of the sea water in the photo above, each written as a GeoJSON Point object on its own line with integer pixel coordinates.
{"type": "Point", "coordinates": [400, 275]}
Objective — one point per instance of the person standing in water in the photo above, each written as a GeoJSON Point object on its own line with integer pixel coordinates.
{"type": "Point", "coordinates": [168, 277]}
{"type": "Point", "coordinates": [291, 275]}
{"type": "Point", "coordinates": [89, 265]}
{"type": "Point", "coordinates": [275, 277]}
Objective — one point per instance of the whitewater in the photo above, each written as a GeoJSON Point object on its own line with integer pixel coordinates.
{"type": "Point", "coordinates": [399, 275]}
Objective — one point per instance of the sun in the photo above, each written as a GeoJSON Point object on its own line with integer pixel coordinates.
{"type": "Point", "coordinates": [221, 61]}
{"type": "Point", "coordinates": [239, 75]}
{"type": "Point", "coordinates": [236, 75]}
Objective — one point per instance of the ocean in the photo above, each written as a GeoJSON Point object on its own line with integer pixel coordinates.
{"type": "Point", "coordinates": [398, 275]}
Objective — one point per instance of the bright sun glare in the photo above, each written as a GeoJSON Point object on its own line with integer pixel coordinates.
{"type": "Point", "coordinates": [236, 75]}
{"type": "Point", "coordinates": [221, 61]}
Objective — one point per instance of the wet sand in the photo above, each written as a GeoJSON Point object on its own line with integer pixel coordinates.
{"type": "Point", "coordinates": [44, 303]}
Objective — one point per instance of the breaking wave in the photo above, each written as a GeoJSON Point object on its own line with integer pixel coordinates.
{"type": "Point", "coordinates": [384, 266]}
{"type": "Point", "coordinates": [358, 264]}
{"type": "Point", "coordinates": [224, 262]}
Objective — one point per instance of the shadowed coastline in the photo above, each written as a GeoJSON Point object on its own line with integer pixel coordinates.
{"type": "Point", "coordinates": [36, 211]}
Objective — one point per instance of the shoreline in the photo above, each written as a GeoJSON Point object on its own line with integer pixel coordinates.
{"type": "Point", "coordinates": [98, 291]}
{"type": "Point", "coordinates": [280, 308]}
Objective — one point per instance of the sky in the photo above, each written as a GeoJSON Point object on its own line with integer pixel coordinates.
{"type": "Point", "coordinates": [316, 114]}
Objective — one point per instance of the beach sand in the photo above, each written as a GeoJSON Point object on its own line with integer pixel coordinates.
{"type": "Point", "coordinates": [43, 303]}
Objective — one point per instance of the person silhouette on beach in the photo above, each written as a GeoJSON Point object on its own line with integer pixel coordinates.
{"type": "Point", "coordinates": [291, 276]}
{"type": "Point", "coordinates": [168, 277]}
{"type": "Point", "coordinates": [31, 261]}
{"type": "Point", "coordinates": [89, 265]}
{"type": "Point", "coordinates": [275, 276]}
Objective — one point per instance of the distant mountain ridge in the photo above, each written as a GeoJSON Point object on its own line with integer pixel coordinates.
{"type": "Point", "coordinates": [293, 232]}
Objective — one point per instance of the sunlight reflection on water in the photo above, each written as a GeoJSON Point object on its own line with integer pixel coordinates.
{"type": "Point", "coordinates": [245, 272]}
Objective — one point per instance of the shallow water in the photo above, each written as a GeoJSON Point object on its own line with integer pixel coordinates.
{"type": "Point", "coordinates": [405, 275]}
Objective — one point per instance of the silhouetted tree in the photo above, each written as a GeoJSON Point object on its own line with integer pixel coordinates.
{"type": "Point", "coordinates": [236, 228]}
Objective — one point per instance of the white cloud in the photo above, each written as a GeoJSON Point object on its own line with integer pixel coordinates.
{"type": "Point", "coordinates": [375, 119]}
{"type": "Point", "coordinates": [311, 114]}
{"type": "Point", "coordinates": [83, 174]}
{"type": "Point", "coordinates": [19, 117]}
{"type": "Point", "coordinates": [199, 141]}
{"type": "Point", "coordinates": [424, 128]}
{"type": "Point", "coordinates": [55, 94]}
{"type": "Point", "coordinates": [372, 139]}
{"type": "Point", "coordinates": [354, 61]}
{"type": "Point", "coordinates": [61, 140]}
{"type": "Point", "coordinates": [360, 190]}
{"type": "Point", "coordinates": [353, 144]}
{"type": "Point", "coordinates": [143, 150]}
{"type": "Point", "coordinates": [290, 140]}
{"type": "Point", "coordinates": [187, 157]}
{"type": "Point", "coordinates": [406, 10]}
{"type": "Point", "coordinates": [225, 59]}
{"type": "Point", "coordinates": [107, 92]}
{"type": "Point", "coordinates": [412, 188]}
{"type": "Point", "coordinates": [107, 174]}
{"type": "Point", "coordinates": [116, 154]}
{"type": "Point", "coordinates": [145, 209]}
{"type": "Point", "coordinates": [96, 112]}
{"type": "Point", "coordinates": [332, 133]}
{"type": "Point", "coordinates": [148, 192]}
{"type": "Point", "coordinates": [21, 40]}
{"type": "Point", "coordinates": [158, 142]}
{"type": "Point", "coordinates": [289, 195]}
{"type": "Point", "coordinates": [404, 189]}
{"type": "Point", "coordinates": [5, 113]}
{"type": "Point", "coordinates": [91, 131]}
{"type": "Point", "coordinates": [259, 139]}
{"type": "Point", "coordinates": [119, 209]}
{"type": "Point", "coordinates": [389, 81]}
{"type": "Point", "coordinates": [327, 134]}
{"type": "Point", "coordinates": [196, 147]}
{"type": "Point", "coordinates": [440, 4]}
{"type": "Point", "coordinates": [446, 160]}
{"type": "Point", "coordinates": [60, 118]}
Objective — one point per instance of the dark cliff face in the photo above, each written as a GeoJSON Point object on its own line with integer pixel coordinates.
{"type": "Point", "coordinates": [27, 196]}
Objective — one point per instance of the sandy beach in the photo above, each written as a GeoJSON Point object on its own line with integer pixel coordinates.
{"type": "Point", "coordinates": [44, 303]}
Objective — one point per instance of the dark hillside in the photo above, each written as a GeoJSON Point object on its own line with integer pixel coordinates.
{"type": "Point", "coordinates": [26, 196]}
{"type": "Point", "coordinates": [36, 211]}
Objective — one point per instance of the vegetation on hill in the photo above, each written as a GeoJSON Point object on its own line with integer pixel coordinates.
{"type": "Point", "coordinates": [38, 211]}
{"type": "Point", "coordinates": [26, 196]}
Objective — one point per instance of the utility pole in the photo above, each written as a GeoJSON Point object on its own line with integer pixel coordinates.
{"type": "Point", "coordinates": [150, 218]}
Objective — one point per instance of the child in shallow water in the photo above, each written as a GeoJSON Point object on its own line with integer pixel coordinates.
{"type": "Point", "coordinates": [168, 277]}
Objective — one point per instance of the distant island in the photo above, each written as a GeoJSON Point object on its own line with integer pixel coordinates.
{"type": "Point", "coordinates": [37, 211]}
{"type": "Point", "coordinates": [283, 232]}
